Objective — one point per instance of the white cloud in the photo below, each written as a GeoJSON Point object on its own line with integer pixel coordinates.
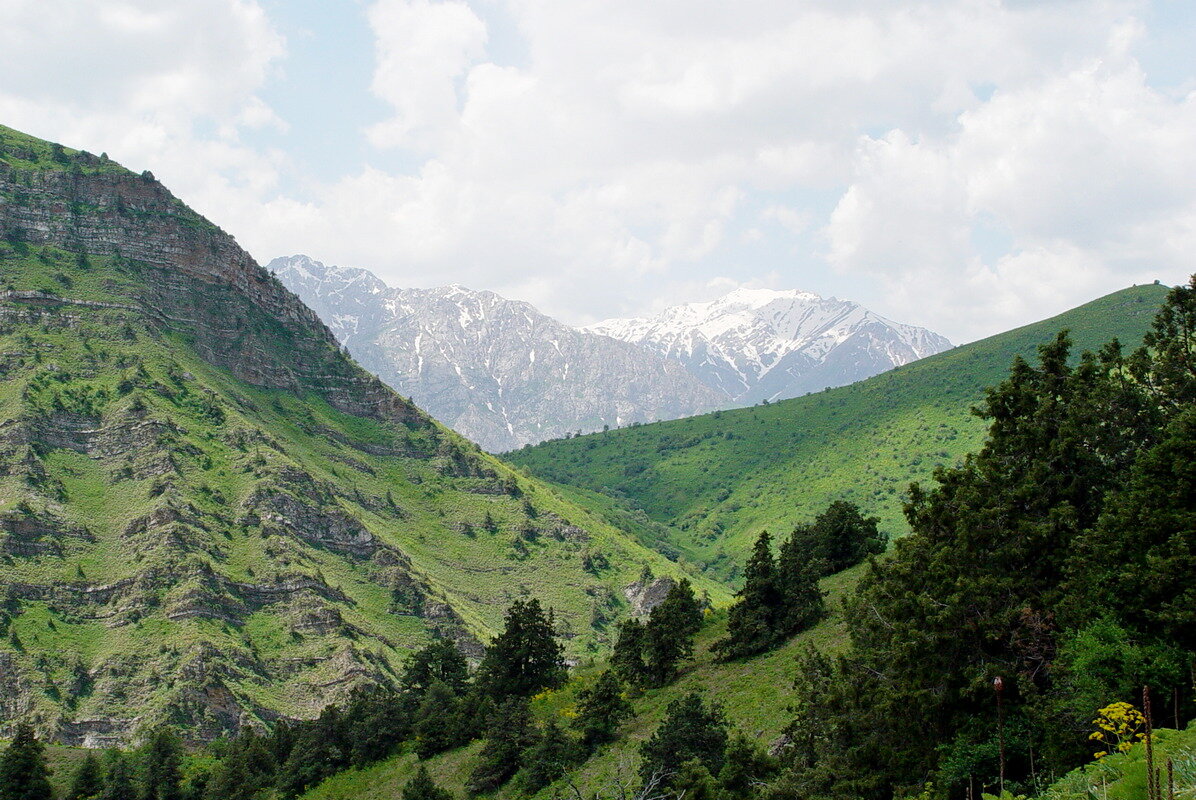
{"type": "Point", "coordinates": [423, 49]}
{"type": "Point", "coordinates": [964, 164]}
{"type": "Point", "coordinates": [1086, 173]}
{"type": "Point", "coordinates": [161, 86]}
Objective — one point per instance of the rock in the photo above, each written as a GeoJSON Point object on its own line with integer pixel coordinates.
{"type": "Point", "coordinates": [645, 595]}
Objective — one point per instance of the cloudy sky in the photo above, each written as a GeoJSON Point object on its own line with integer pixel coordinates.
{"type": "Point", "coordinates": [967, 165]}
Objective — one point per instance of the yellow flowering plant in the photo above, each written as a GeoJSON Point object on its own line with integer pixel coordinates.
{"type": "Point", "coordinates": [1119, 727]}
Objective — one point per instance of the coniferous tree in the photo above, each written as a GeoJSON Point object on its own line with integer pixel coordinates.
{"type": "Point", "coordinates": [669, 632]}
{"type": "Point", "coordinates": [798, 580]}
{"type": "Point", "coordinates": [162, 767]}
{"type": "Point", "coordinates": [1050, 558]}
{"type": "Point", "coordinates": [548, 757]}
{"type": "Point", "coordinates": [118, 778]}
{"type": "Point", "coordinates": [422, 787]}
{"type": "Point", "coordinates": [526, 657]}
{"type": "Point", "coordinates": [88, 779]}
{"type": "Point", "coordinates": [436, 722]}
{"type": "Point", "coordinates": [439, 661]}
{"type": "Point", "coordinates": [627, 658]}
{"type": "Point", "coordinates": [691, 730]}
{"type": "Point", "coordinates": [754, 623]}
{"type": "Point", "coordinates": [375, 722]}
{"type": "Point", "coordinates": [510, 734]}
{"type": "Point", "coordinates": [840, 537]}
{"type": "Point", "coordinates": [319, 750]}
{"type": "Point", "coordinates": [23, 771]}
{"type": "Point", "coordinates": [601, 708]}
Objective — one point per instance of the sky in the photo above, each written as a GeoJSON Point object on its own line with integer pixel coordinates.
{"type": "Point", "coordinates": [966, 165]}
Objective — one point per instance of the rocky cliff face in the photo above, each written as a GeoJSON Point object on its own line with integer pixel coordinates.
{"type": "Point", "coordinates": [760, 344]}
{"type": "Point", "coordinates": [495, 370]}
{"type": "Point", "coordinates": [208, 513]}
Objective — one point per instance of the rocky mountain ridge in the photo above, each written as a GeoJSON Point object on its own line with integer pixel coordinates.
{"type": "Point", "coordinates": [503, 374]}
{"type": "Point", "coordinates": [211, 515]}
{"type": "Point", "coordinates": [764, 344]}
{"type": "Point", "coordinates": [495, 370]}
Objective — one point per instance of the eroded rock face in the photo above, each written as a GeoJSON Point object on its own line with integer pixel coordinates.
{"type": "Point", "coordinates": [645, 595]}
{"type": "Point", "coordinates": [496, 370]}
{"type": "Point", "coordinates": [198, 281]}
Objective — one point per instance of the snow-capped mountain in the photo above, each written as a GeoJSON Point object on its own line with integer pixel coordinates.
{"type": "Point", "coordinates": [495, 370]}
{"type": "Point", "coordinates": [757, 344]}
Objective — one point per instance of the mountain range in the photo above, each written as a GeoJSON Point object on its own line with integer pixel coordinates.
{"type": "Point", "coordinates": [209, 514]}
{"type": "Point", "coordinates": [763, 344]}
{"type": "Point", "coordinates": [505, 375]}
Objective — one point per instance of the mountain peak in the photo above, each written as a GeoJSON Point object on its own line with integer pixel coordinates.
{"type": "Point", "coordinates": [757, 344]}
{"type": "Point", "coordinates": [497, 370]}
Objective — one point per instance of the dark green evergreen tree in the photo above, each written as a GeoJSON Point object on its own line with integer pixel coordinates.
{"type": "Point", "coordinates": [797, 577]}
{"type": "Point", "coordinates": [510, 734]}
{"type": "Point", "coordinates": [319, 750]}
{"type": "Point", "coordinates": [526, 657]}
{"type": "Point", "coordinates": [548, 758]}
{"type": "Point", "coordinates": [437, 721]}
{"type": "Point", "coordinates": [746, 768]}
{"type": "Point", "coordinates": [118, 778]}
{"type": "Point", "coordinates": [247, 767]}
{"type": "Point", "coordinates": [669, 632]}
{"type": "Point", "coordinates": [23, 771]}
{"type": "Point", "coordinates": [375, 721]}
{"type": "Point", "coordinates": [754, 623]}
{"type": "Point", "coordinates": [162, 767]}
{"type": "Point", "coordinates": [440, 660]}
{"type": "Point", "coordinates": [88, 779]}
{"type": "Point", "coordinates": [627, 658]}
{"type": "Point", "coordinates": [601, 708]}
{"type": "Point", "coordinates": [691, 731]}
{"type": "Point", "coordinates": [422, 787]}
{"type": "Point", "coordinates": [840, 537]}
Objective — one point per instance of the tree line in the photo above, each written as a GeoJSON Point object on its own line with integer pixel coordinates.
{"type": "Point", "coordinates": [1047, 577]}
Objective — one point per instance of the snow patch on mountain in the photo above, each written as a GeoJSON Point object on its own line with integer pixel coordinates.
{"type": "Point", "coordinates": [766, 344]}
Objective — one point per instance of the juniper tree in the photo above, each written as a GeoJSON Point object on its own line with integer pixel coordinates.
{"type": "Point", "coordinates": [23, 771]}
{"type": "Point", "coordinates": [691, 730]}
{"type": "Point", "coordinates": [526, 657]}
{"type": "Point", "coordinates": [88, 779]}
{"type": "Point", "coordinates": [436, 722]}
{"type": "Point", "coordinates": [118, 778]}
{"type": "Point", "coordinates": [600, 710]}
{"type": "Point", "coordinates": [510, 734]}
{"type": "Point", "coordinates": [438, 661]}
{"type": "Point", "coordinates": [422, 787]}
{"type": "Point", "coordinates": [668, 634]}
{"type": "Point", "coordinates": [754, 623]}
{"type": "Point", "coordinates": [548, 758]}
{"type": "Point", "coordinates": [162, 767]}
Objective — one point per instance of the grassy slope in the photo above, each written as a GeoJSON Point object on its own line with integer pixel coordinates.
{"type": "Point", "coordinates": [1123, 776]}
{"type": "Point", "coordinates": [754, 693]}
{"type": "Point", "coordinates": [716, 480]}
{"type": "Point", "coordinates": [78, 352]}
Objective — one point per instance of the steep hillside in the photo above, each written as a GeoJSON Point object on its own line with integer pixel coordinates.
{"type": "Point", "coordinates": [716, 480]}
{"type": "Point", "coordinates": [762, 344]}
{"type": "Point", "coordinates": [495, 370]}
{"type": "Point", "coordinates": [208, 513]}
{"type": "Point", "coordinates": [755, 694]}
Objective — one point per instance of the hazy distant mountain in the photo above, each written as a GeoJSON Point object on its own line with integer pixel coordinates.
{"type": "Point", "coordinates": [757, 344]}
{"type": "Point", "coordinates": [495, 370]}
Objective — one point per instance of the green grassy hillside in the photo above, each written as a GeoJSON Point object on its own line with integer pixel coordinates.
{"type": "Point", "coordinates": [754, 694]}
{"type": "Point", "coordinates": [208, 514]}
{"type": "Point", "coordinates": [704, 487]}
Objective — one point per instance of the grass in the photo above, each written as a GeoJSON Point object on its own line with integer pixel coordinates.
{"type": "Point", "coordinates": [753, 692]}
{"type": "Point", "coordinates": [210, 442]}
{"type": "Point", "coordinates": [704, 487]}
{"type": "Point", "coordinates": [1123, 776]}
